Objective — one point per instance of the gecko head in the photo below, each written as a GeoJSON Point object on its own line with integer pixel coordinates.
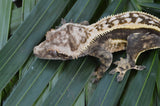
{"type": "Point", "coordinates": [62, 43]}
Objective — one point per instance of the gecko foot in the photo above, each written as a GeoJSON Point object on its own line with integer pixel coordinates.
{"type": "Point", "coordinates": [122, 67]}
{"type": "Point", "coordinates": [98, 74]}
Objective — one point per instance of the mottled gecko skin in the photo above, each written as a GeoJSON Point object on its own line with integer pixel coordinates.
{"type": "Point", "coordinates": [132, 31]}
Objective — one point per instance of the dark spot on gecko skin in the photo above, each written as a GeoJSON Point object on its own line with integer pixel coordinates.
{"type": "Point", "coordinates": [55, 36]}
{"type": "Point", "coordinates": [101, 56]}
{"type": "Point", "coordinates": [87, 34]}
{"type": "Point", "coordinates": [157, 24]}
{"type": "Point", "coordinates": [121, 20]}
{"type": "Point", "coordinates": [109, 26]}
{"type": "Point", "coordinates": [127, 67]}
{"type": "Point", "coordinates": [133, 19]}
{"type": "Point", "coordinates": [146, 21]}
{"type": "Point", "coordinates": [90, 30]}
{"type": "Point", "coordinates": [80, 29]}
{"type": "Point", "coordinates": [83, 39]}
{"type": "Point", "coordinates": [121, 68]}
{"type": "Point", "coordinates": [96, 26]}
{"type": "Point", "coordinates": [99, 27]}
{"type": "Point", "coordinates": [124, 21]}
{"type": "Point", "coordinates": [69, 29]}
{"type": "Point", "coordinates": [72, 43]}
{"type": "Point", "coordinates": [107, 20]}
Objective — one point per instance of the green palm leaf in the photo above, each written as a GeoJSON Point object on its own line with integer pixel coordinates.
{"type": "Point", "coordinates": [5, 10]}
{"type": "Point", "coordinates": [43, 82]}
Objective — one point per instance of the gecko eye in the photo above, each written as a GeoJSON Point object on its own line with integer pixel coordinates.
{"type": "Point", "coordinates": [52, 52]}
{"type": "Point", "coordinates": [55, 53]}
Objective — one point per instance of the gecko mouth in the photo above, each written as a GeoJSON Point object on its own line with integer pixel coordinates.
{"type": "Point", "coordinates": [55, 53]}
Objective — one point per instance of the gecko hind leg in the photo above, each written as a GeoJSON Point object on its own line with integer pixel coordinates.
{"type": "Point", "coordinates": [123, 66]}
{"type": "Point", "coordinates": [105, 58]}
{"type": "Point", "coordinates": [137, 43]}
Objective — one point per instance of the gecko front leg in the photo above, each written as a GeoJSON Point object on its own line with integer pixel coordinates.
{"type": "Point", "coordinates": [105, 58]}
{"type": "Point", "coordinates": [137, 43]}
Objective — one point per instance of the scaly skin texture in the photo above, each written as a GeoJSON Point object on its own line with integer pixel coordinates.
{"type": "Point", "coordinates": [132, 31]}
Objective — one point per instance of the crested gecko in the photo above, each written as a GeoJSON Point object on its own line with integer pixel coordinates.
{"type": "Point", "coordinates": [132, 31]}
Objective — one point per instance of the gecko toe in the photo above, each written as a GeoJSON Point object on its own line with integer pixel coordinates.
{"type": "Point", "coordinates": [120, 77]}
{"type": "Point", "coordinates": [138, 67]}
{"type": "Point", "coordinates": [113, 71]}
{"type": "Point", "coordinates": [95, 79]}
{"type": "Point", "coordinates": [116, 62]}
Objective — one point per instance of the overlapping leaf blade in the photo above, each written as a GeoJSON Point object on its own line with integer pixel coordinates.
{"type": "Point", "coordinates": [27, 7]}
{"type": "Point", "coordinates": [5, 14]}
{"type": "Point", "coordinates": [15, 19]}
{"type": "Point", "coordinates": [81, 100]}
{"type": "Point", "coordinates": [150, 5]}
